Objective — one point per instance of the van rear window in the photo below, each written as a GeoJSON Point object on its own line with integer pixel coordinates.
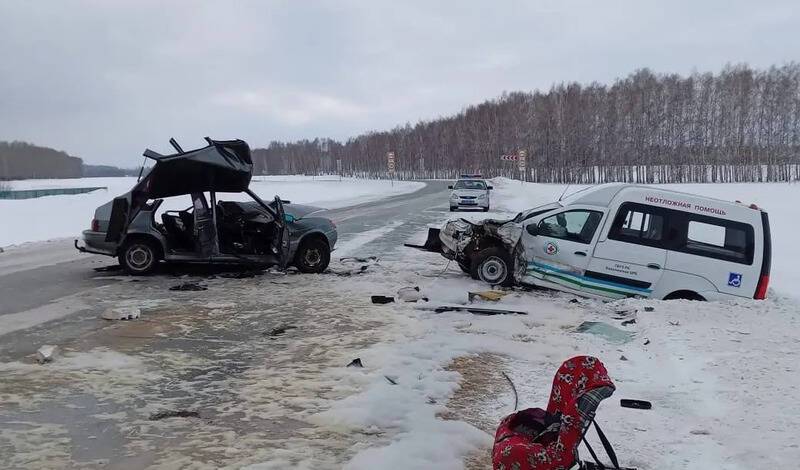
{"type": "Point", "coordinates": [722, 239]}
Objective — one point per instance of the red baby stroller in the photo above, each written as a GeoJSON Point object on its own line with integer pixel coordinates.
{"type": "Point", "coordinates": [536, 439]}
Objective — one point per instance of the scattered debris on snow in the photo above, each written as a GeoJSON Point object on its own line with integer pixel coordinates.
{"type": "Point", "coordinates": [158, 416]}
{"type": "Point", "coordinates": [490, 295]}
{"type": "Point", "coordinates": [410, 294]}
{"type": "Point", "coordinates": [280, 330]}
{"type": "Point", "coordinates": [46, 353]}
{"type": "Point", "coordinates": [610, 333]}
{"type": "Point", "coordinates": [355, 363]}
{"type": "Point", "coordinates": [121, 313]}
{"type": "Point", "coordinates": [473, 310]}
{"type": "Point", "coordinates": [188, 286]}
{"type": "Point", "coordinates": [110, 268]}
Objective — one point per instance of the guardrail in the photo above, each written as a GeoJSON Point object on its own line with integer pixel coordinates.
{"type": "Point", "coordinates": [34, 193]}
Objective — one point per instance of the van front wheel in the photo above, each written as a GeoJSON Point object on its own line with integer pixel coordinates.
{"type": "Point", "coordinates": [493, 265]}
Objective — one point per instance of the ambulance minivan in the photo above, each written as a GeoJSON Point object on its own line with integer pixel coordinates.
{"type": "Point", "coordinates": [621, 240]}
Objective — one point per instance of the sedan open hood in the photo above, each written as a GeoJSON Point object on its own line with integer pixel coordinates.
{"type": "Point", "coordinates": [223, 166]}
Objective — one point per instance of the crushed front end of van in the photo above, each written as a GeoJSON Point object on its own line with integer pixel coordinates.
{"type": "Point", "coordinates": [470, 244]}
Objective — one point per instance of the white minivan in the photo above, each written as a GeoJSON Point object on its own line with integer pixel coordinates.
{"type": "Point", "coordinates": [622, 240]}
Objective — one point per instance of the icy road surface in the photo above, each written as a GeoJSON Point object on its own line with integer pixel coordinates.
{"type": "Point", "coordinates": [262, 362]}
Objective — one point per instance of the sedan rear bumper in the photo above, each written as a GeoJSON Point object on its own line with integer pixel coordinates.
{"type": "Point", "coordinates": [95, 242]}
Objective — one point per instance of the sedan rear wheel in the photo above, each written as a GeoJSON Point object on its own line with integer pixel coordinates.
{"type": "Point", "coordinates": [139, 257]}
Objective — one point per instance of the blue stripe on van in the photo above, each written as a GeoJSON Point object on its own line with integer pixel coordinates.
{"type": "Point", "coordinates": [587, 278]}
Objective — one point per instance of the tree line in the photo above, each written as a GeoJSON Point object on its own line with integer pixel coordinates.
{"type": "Point", "coordinates": [741, 124]}
{"type": "Point", "coordinates": [21, 160]}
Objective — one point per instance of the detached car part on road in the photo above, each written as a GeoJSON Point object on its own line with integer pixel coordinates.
{"type": "Point", "coordinates": [619, 240]}
{"type": "Point", "coordinates": [215, 231]}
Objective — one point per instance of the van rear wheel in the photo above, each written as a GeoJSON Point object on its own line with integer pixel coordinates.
{"type": "Point", "coordinates": [685, 295]}
{"type": "Point", "coordinates": [493, 265]}
{"type": "Point", "coordinates": [139, 257]}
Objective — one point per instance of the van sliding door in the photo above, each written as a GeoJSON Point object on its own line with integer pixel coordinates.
{"type": "Point", "coordinates": [630, 258]}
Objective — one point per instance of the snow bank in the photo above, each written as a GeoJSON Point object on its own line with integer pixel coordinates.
{"type": "Point", "coordinates": [52, 217]}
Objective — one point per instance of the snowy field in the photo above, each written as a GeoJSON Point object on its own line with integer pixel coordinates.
{"type": "Point", "coordinates": [46, 218]}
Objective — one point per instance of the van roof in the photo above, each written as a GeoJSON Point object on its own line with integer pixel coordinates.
{"type": "Point", "coordinates": [603, 194]}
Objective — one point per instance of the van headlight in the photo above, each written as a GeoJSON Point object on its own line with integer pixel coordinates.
{"type": "Point", "coordinates": [454, 196]}
{"type": "Point", "coordinates": [482, 196]}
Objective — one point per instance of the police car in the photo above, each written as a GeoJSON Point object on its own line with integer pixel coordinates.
{"type": "Point", "coordinates": [469, 192]}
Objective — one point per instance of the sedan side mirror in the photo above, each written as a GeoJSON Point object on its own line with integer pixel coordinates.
{"type": "Point", "coordinates": [450, 187]}
{"type": "Point", "coordinates": [532, 229]}
{"type": "Point", "coordinates": [490, 188]}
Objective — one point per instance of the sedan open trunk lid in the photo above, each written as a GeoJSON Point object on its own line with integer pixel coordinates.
{"type": "Point", "coordinates": [223, 166]}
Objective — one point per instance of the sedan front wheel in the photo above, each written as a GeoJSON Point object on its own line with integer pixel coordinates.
{"type": "Point", "coordinates": [313, 256]}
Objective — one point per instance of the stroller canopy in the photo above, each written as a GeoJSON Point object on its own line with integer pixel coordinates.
{"type": "Point", "coordinates": [224, 165]}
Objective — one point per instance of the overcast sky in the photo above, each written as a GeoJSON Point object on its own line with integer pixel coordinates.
{"type": "Point", "coordinates": [102, 80]}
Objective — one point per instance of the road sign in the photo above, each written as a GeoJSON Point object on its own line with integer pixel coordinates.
{"type": "Point", "coordinates": [390, 162]}
{"type": "Point", "coordinates": [508, 158]}
{"type": "Point", "coordinates": [521, 161]}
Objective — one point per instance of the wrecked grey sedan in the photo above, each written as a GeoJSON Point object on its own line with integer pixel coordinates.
{"type": "Point", "coordinates": [209, 229]}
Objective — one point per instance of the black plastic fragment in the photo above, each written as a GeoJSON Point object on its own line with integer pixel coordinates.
{"type": "Point", "coordinates": [173, 414]}
{"type": "Point", "coordinates": [637, 404]}
{"type": "Point", "coordinates": [188, 286]}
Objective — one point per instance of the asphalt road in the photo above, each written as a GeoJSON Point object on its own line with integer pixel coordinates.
{"type": "Point", "coordinates": [35, 278]}
{"type": "Point", "coordinates": [210, 351]}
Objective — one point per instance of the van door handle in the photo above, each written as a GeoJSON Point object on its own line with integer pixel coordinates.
{"type": "Point", "coordinates": [654, 266]}
{"type": "Point", "coordinates": [580, 253]}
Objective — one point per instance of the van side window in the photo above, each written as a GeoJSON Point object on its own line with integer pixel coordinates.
{"type": "Point", "coordinates": [577, 225]}
{"type": "Point", "coordinates": [683, 231]}
{"type": "Point", "coordinates": [640, 224]}
{"type": "Point", "coordinates": [720, 239]}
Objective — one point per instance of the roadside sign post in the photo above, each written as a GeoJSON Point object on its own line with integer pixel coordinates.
{"type": "Point", "coordinates": [339, 168]}
{"type": "Point", "coordinates": [390, 165]}
{"type": "Point", "coordinates": [522, 162]}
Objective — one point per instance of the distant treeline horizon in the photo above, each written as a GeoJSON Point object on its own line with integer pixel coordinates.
{"type": "Point", "coordinates": [23, 160]}
{"type": "Point", "coordinates": [740, 124]}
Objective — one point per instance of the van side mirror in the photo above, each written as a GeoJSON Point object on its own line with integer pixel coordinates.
{"type": "Point", "coordinates": [490, 188]}
{"type": "Point", "coordinates": [532, 229]}
{"type": "Point", "coordinates": [450, 186]}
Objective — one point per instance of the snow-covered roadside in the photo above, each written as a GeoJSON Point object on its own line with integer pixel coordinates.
{"type": "Point", "coordinates": [52, 217]}
{"type": "Point", "coordinates": [720, 375]}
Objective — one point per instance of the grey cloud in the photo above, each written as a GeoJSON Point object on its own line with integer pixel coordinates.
{"type": "Point", "coordinates": [102, 80]}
